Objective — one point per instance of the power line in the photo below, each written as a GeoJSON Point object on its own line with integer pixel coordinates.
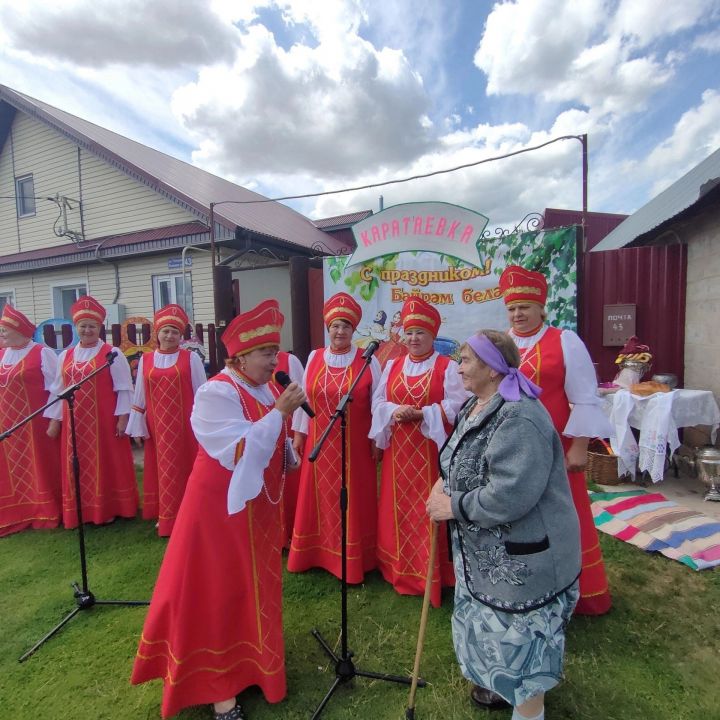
{"type": "Point", "coordinates": [371, 185]}
{"type": "Point", "coordinates": [25, 197]}
{"type": "Point", "coordinates": [403, 180]}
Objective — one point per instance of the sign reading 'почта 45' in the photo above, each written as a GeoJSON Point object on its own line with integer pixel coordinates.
{"type": "Point", "coordinates": [431, 226]}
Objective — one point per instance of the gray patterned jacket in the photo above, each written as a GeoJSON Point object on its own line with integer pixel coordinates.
{"type": "Point", "coordinates": [515, 521]}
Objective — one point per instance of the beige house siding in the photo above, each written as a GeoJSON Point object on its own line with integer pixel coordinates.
{"type": "Point", "coordinates": [34, 291]}
{"type": "Point", "coordinates": [33, 148]}
{"type": "Point", "coordinates": [262, 283]}
{"type": "Point", "coordinates": [21, 290]}
{"type": "Point", "coordinates": [702, 309]}
{"type": "Point", "coordinates": [112, 202]}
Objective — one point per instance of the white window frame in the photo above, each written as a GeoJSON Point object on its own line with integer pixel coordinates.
{"type": "Point", "coordinates": [165, 277]}
{"type": "Point", "coordinates": [56, 294]}
{"type": "Point", "coordinates": [20, 196]}
{"type": "Point", "coordinates": [9, 295]}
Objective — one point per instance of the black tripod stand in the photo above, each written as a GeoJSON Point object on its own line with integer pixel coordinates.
{"type": "Point", "coordinates": [345, 669]}
{"type": "Point", "coordinates": [84, 599]}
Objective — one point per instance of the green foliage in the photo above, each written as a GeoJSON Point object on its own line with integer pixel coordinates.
{"type": "Point", "coordinates": [354, 280]}
{"type": "Point", "coordinates": [654, 656]}
{"type": "Point", "coordinates": [551, 252]}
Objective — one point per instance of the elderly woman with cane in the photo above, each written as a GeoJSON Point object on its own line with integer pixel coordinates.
{"type": "Point", "coordinates": [515, 532]}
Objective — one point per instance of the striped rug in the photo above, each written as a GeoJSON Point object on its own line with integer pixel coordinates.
{"type": "Point", "coordinates": [652, 522]}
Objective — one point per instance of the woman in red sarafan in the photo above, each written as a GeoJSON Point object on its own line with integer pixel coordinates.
{"type": "Point", "coordinates": [167, 380]}
{"type": "Point", "coordinates": [558, 361]}
{"type": "Point", "coordinates": [329, 374]}
{"type": "Point", "coordinates": [214, 626]}
{"type": "Point", "coordinates": [29, 460]}
{"type": "Point", "coordinates": [108, 488]}
{"type": "Point", "coordinates": [414, 408]}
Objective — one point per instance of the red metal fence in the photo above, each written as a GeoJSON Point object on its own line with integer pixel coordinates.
{"type": "Point", "coordinates": [139, 336]}
{"type": "Point", "coordinates": [654, 279]}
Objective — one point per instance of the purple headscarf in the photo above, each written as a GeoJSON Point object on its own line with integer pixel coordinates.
{"type": "Point", "coordinates": [514, 381]}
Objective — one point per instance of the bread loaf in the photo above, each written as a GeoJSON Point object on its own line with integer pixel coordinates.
{"type": "Point", "coordinates": [650, 387]}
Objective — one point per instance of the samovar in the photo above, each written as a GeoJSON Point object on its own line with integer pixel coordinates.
{"type": "Point", "coordinates": [706, 464]}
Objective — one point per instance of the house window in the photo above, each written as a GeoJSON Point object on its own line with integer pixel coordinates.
{"type": "Point", "coordinates": [169, 289]}
{"type": "Point", "coordinates": [63, 297]}
{"type": "Point", "coordinates": [6, 297]}
{"type": "Point", "coordinates": [25, 194]}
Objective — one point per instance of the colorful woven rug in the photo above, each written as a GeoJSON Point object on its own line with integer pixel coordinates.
{"type": "Point", "coordinates": [652, 522]}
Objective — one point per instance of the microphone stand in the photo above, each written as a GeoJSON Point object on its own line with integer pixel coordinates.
{"type": "Point", "coordinates": [345, 669]}
{"type": "Point", "coordinates": [84, 599]}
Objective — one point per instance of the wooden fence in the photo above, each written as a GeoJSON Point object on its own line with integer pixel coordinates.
{"type": "Point", "coordinates": [134, 339]}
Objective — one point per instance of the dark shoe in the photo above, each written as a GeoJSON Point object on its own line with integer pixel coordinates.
{"type": "Point", "coordinates": [235, 713]}
{"type": "Point", "coordinates": [487, 699]}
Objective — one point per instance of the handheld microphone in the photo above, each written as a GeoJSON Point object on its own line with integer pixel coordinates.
{"type": "Point", "coordinates": [370, 349]}
{"type": "Point", "coordinates": [284, 379]}
{"type": "Point", "coordinates": [110, 357]}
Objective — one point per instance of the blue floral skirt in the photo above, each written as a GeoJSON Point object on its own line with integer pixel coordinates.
{"type": "Point", "coordinates": [517, 655]}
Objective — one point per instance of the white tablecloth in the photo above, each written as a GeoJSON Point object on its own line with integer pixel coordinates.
{"type": "Point", "coordinates": [658, 418]}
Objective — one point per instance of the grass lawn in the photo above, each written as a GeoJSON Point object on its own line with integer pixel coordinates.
{"type": "Point", "coordinates": [656, 656]}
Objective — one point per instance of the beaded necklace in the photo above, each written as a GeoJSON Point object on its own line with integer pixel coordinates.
{"type": "Point", "coordinates": [333, 372]}
{"type": "Point", "coordinates": [240, 380]}
{"type": "Point", "coordinates": [423, 383]}
{"type": "Point", "coordinates": [479, 406]}
{"type": "Point", "coordinates": [77, 369]}
{"type": "Point", "coordinates": [12, 370]}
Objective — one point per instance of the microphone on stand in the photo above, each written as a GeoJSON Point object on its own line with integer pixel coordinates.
{"type": "Point", "coordinates": [370, 349]}
{"type": "Point", "coordinates": [284, 379]}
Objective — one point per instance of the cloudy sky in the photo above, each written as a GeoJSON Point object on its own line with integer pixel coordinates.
{"type": "Point", "coordinates": [289, 97]}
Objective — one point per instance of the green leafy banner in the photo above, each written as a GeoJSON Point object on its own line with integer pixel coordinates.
{"type": "Point", "coordinates": [467, 296]}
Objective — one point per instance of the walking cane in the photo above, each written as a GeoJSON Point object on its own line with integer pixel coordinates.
{"type": "Point", "coordinates": [410, 710]}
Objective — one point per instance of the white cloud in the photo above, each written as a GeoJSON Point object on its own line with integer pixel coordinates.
{"type": "Point", "coordinates": [708, 42]}
{"type": "Point", "coordinates": [504, 190]}
{"type": "Point", "coordinates": [528, 45]}
{"type": "Point", "coordinates": [308, 108]}
{"type": "Point", "coordinates": [585, 51]}
{"type": "Point", "coordinates": [108, 97]}
{"type": "Point", "coordinates": [344, 94]}
{"type": "Point", "coordinates": [604, 78]}
{"type": "Point", "coordinates": [425, 30]}
{"type": "Point", "coordinates": [327, 19]}
{"type": "Point", "coordinates": [695, 135]}
{"type": "Point", "coordinates": [623, 183]}
{"type": "Point", "coordinates": [648, 20]}
{"type": "Point", "coordinates": [130, 32]}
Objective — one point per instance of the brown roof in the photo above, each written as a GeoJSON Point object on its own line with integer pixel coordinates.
{"type": "Point", "coordinates": [341, 221]}
{"type": "Point", "coordinates": [186, 184]}
{"type": "Point", "coordinates": [599, 224]}
{"type": "Point", "coordinates": [156, 240]}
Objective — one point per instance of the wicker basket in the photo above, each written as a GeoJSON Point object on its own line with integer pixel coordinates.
{"type": "Point", "coordinates": [602, 465]}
